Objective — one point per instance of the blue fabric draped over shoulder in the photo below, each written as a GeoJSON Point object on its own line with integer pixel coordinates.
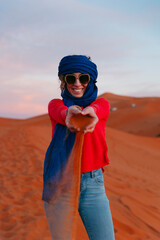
{"type": "Point", "coordinates": [61, 145]}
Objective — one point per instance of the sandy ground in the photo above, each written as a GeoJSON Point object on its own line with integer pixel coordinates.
{"type": "Point", "coordinates": [132, 178]}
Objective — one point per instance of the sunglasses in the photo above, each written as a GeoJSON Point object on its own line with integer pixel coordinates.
{"type": "Point", "coordinates": [71, 79]}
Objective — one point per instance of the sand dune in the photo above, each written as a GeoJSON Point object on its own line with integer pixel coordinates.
{"type": "Point", "coordinates": [140, 116]}
{"type": "Point", "coordinates": [132, 178]}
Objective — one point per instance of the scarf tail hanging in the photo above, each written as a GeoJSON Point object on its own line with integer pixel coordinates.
{"type": "Point", "coordinates": [55, 162]}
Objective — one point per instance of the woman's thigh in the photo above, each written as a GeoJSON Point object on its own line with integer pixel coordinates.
{"type": "Point", "coordinates": [94, 207]}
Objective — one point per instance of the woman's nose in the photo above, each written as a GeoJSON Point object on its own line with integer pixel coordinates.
{"type": "Point", "coordinates": [77, 82]}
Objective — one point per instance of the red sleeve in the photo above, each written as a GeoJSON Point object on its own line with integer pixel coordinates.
{"type": "Point", "coordinates": [57, 111]}
{"type": "Point", "coordinates": [101, 108]}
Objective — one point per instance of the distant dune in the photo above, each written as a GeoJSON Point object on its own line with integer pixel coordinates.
{"type": "Point", "coordinates": [140, 116]}
{"type": "Point", "coordinates": [131, 179]}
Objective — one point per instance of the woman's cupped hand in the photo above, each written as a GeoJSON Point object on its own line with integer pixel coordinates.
{"type": "Point", "coordinates": [81, 120]}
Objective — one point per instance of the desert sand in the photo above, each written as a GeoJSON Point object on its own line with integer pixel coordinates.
{"type": "Point", "coordinates": [132, 178]}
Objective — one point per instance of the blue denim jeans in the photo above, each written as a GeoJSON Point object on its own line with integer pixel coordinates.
{"type": "Point", "coordinates": [94, 210]}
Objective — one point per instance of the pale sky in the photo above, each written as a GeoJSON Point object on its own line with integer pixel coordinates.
{"type": "Point", "coordinates": [121, 36]}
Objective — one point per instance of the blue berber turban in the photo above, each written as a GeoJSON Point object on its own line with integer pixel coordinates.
{"type": "Point", "coordinates": [78, 63]}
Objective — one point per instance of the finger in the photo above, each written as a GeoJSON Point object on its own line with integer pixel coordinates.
{"type": "Point", "coordinates": [73, 113]}
{"type": "Point", "coordinates": [73, 129]}
{"type": "Point", "coordinates": [86, 111]}
{"type": "Point", "coordinates": [90, 126]}
{"type": "Point", "coordinates": [90, 114]}
{"type": "Point", "coordinates": [88, 130]}
{"type": "Point", "coordinates": [77, 110]}
{"type": "Point", "coordinates": [74, 110]}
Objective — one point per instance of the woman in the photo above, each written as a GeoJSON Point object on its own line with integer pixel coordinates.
{"type": "Point", "coordinates": [78, 76]}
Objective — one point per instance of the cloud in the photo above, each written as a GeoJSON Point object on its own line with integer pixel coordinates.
{"type": "Point", "coordinates": [35, 35]}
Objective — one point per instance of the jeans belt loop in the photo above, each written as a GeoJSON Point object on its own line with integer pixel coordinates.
{"type": "Point", "coordinates": [92, 174]}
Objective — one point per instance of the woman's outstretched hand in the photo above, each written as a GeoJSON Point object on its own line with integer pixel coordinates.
{"type": "Point", "coordinates": [73, 110]}
{"type": "Point", "coordinates": [76, 110]}
{"type": "Point", "coordinates": [89, 111]}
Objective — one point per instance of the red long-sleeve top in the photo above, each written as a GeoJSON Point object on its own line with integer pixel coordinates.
{"type": "Point", "coordinates": [94, 152]}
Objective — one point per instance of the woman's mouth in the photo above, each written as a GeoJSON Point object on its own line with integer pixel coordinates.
{"type": "Point", "coordinates": [77, 91]}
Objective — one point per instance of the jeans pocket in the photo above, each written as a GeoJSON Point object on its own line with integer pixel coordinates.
{"type": "Point", "coordinates": [99, 179]}
{"type": "Point", "coordinates": [83, 184]}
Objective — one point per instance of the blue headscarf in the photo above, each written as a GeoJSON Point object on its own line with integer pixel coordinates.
{"type": "Point", "coordinates": [60, 147]}
{"type": "Point", "coordinates": [78, 63]}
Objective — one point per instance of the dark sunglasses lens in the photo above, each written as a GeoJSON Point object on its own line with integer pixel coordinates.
{"type": "Point", "coordinates": [70, 79]}
{"type": "Point", "coordinates": [84, 78]}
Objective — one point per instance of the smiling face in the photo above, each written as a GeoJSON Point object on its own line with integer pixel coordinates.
{"type": "Point", "coordinates": [77, 89]}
